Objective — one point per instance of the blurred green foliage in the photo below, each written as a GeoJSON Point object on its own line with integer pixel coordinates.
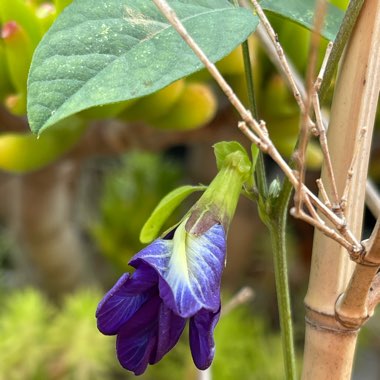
{"type": "Point", "coordinates": [131, 192]}
{"type": "Point", "coordinates": [246, 349]}
{"type": "Point", "coordinates": [41, 341]}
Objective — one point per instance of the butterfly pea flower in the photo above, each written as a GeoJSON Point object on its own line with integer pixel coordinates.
{"type": "Point", "coordinates": [176, 280]}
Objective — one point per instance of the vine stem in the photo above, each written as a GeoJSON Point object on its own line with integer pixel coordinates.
{"type": "Point", "coordinates": [277, 230]}
{"type": "Point", "coordinates": [277, 227]}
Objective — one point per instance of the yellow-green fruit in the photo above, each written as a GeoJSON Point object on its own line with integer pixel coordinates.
{"type": "Point", "coordinates": [238, 81]}
{"type": "Point", "coordinates": [24, 152]}
{"type": "Point", "coordinates": [233, 63]}
{"type": "Point", "coordinates": [61, 4]}
{"type": "Point", "coordinates": [196, 106]}
{"type": "Point", "coordinates": [278, 100]}
{"type": "Point", "coordinates": [46, 14]}
{"type": "Point", "coordinates": [16, 104]}
{"type": "Point", "coordinates": [22, 13]}
{"type": "Point", "coordinates": [283, 128]}
{"type": "Point", "coordinates": [156, 105]}
{"type": "Point", "coordinates": [5, 83]}
{"type": "Point", "coordinates": [314, 155]}
{"type": "Point", "coordinates": [342, 4]}
{"type": "Point", "coordinates": [18, 52]}
{"type": "Point", "coordinates": [108, 111]}
{"type": "Point", "coordinates": [295, 40]}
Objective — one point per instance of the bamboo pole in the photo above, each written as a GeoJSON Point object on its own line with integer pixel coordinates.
{"type": "Point", "coordinates": [329, 346]}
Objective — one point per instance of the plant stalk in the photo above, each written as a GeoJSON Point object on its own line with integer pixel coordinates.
{"type": "Point", "coordinates": [277, 227]}
{"type": "Point", "coordinates": [329, 346]}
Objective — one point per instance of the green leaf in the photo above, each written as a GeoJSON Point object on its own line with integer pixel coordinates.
{"type": "Point", "coordinates": [224, 148]}
{"type": "Point", "coordinates": [302, 12]}
{"type": "Point", "coordinates": [101, 52]}
{"type": "Point", "coordinates": [163, 210]}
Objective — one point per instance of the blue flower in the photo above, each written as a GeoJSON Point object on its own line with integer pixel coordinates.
{"type": "Point", "coordinates": [177, 278]}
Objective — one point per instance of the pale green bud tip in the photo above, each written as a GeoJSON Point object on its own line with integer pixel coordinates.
{"type": "Point", "coordinates": [219, 201]}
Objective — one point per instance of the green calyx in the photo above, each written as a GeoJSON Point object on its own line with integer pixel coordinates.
{"type": "Point", "coordinates": [218, 203]}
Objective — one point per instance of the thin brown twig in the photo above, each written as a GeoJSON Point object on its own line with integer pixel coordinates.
{"type": "Point", "coordinates": [325, 149]}
{"type": "Point", "coordinates": [324, 229]}
{"type": "Point", "coordinates": [323, 192]}
{"type": "Point", "coordinates": [305, 125]}
{"type": "Point", "coordinates": [244, 295]}
{"type": "Point", "coordinates": [273, 36]}
{"type": "Point", "coordinates": [347, 186]}
{"type": "Point", "coordinates": [255, 132]}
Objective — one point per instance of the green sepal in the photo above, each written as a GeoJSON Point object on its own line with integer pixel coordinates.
{"type": "Point", "coordinates": [219, 201]}
{"type": "Point", "coordinates": [223, 151]}
{"type": "Point", "coordinates": [251, 185]}
{"type": "Point", "coordinates": [164, 209]}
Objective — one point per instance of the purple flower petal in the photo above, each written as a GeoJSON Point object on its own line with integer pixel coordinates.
{"type": "Point", "coordinates": [124, 299]}
{"type": "Point", "coordinates": [137, 339]}
{"type": "Point", "coordinates": [190, 269]}
{"type": "Point", "coordinates": [170, 328]}
{"type": "Point", "coordinates": [201, 337]}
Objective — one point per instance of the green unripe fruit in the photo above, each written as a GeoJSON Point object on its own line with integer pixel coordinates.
{"type": "Point", "coordinates": [342, 4]}
{"type": "Point", "coordinates": [61, 4]}
{"type": "Point", "coordinates": [22, 13]}
{"type": "Point", "coordinates": [156, 105]}
{"type": "Point", "coordinates": [18, 52]}
{"type": "Point", "coordinates": [233, 63]}
{"type": "Point", "coordinates": [295, 40]}
{"type": "Point", "coordinates": [24, 152]}
{"type": "Point", "coordinates": [46, 14]}
{"type": "Point", "coordinates": [314, 156]}
{"type": "Point", "coordinates": [16, 104]}
{"type": "Point", "coordinates": [5, 83]}
{"type": "Point", "coordinates": [108, 111]}
{"type": "Point", "coordinates": [278, 100]}
{"type": "Point", "coordinates": [196, 106]}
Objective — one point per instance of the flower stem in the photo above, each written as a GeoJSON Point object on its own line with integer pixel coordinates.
{"type": "Point", "coordinates": [277, 227]}
{"type": "Point", "coordinates": [261, 179]}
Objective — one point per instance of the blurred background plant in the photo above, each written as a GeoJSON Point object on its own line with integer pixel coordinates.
{"type": "Point", "coordinates": [72, 204]}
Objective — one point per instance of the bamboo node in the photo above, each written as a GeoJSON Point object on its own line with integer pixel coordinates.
{"type": "Point", "coordinates": [349, 317]}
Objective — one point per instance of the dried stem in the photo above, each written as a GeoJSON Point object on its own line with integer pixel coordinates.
{"type": "Point", "coordinates": [372, 195]}
{"type": "Point", "coordinates": [323, 192]}
{"type": "Point", "coordinates": [241, 297]}
{"type": "Point", "coordinates": [358, 147]}
{"type": "Point", "coordinates": [273, 36]}
{"type": "Point", "coordinates": [250, 127]}
{"type": "Point", "coordinates": [305, 125]}
{"type": "Point", "coordinates": [308, 124]}
{"type": "Point", "coordinates": [325, 149]}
